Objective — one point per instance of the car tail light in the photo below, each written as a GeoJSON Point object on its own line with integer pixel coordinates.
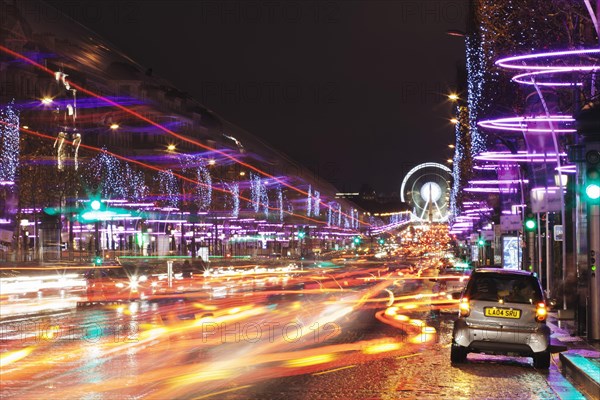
{"type": "Point", "coordinates": [464, 309]}
{"type": "Point", "coordinates": [541, 312]}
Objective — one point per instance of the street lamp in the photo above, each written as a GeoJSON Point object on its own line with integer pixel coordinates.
{"type": "Point", "coordinates": [561, 180]}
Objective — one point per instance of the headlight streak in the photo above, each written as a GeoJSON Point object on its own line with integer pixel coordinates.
{"type": "Point", "coordinates": [161, 345]}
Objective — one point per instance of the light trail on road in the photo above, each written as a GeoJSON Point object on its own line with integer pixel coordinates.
{"type": "Point", "coordinates": [244, 336]}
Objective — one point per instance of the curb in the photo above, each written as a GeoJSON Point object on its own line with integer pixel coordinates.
{"type": "Point", "coordinates": [583, 372]}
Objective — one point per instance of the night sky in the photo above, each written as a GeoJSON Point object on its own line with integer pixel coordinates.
{"type": "Point", "coordinates": [356, 91]}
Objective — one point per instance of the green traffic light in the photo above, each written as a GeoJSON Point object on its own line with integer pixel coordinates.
{"type": "Point", "coordinates": [592, 191]}
{"type": "Point", "coordinates": [481, 242]}
{"type": "Point", "coordinates": [530, 224]}
{"type": "Point", "coordinates": [95, 205]}
{"type": "Point", "coordinates": [97, 261]}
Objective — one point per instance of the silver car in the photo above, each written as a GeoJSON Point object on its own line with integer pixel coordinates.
{"type": "Point", "coordinates": [502, 312]}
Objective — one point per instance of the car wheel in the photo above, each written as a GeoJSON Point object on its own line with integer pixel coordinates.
{"type": "Point", "coordinates": [541, 360]}
{"type": "Point", "coordinates": [458, 354]}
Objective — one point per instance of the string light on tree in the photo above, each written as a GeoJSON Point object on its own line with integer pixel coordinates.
{"type": "Point", "coordinates": [280, 203]}
{"type": "Point", "coordinates": [168, 185]}
{"type": "Point", "coordinates": [234, 189]}
{"type": "Point", "coordinates": [204, 185]}
{"type": "Point", "coordinates": [264, 198]}
{"type": "Point", "coordinates": [255, 189]}
{"type": "Point", "coordinates": [9, 143]}
{"type": "Point", "coordinates": [309, 201]}
{"type": "Point", "coordinates": [108, 174]}
{"type": "Point", "coordinates": [317, 204]}
{"type": "Point", "coordinates": [136, 185]}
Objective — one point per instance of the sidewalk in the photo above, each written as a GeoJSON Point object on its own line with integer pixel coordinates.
{"type": "Point", "coordinates": [579, 360]}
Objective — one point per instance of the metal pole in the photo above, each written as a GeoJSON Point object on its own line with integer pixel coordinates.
{"type": "Point", "coordinates": [538, 267]}
{"type": "Point", "coordinates": [97, 237]}
{"type": "Point", "coordinates": [548, 256]}
{"type": "Point", "coordinates": [594, 252]}
{"type": "Point", "coordinates": [170, 273]}
{"type": "Point", "coordinates": [530, 251]}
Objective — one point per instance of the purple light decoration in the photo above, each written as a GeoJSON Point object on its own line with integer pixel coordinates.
{"type": "Point", "coordinates": [9, 144]}
{"type": "Point", "coordinates": [486, 167]}
{"type": "Point", "coordinates": [533, 78]}
{"type": "Point", "coordinates": [488, 190]}
{"type": "Point", "coordinates": [567, 169]}
{"type": "Point", "coordinates": [479, 210]}
{"type": "Point", "coordinates": [530, 124]}
{"type": "Point", "coordinates": [498, 182]}
{"type": "Point", "coordinates": [519, 62]}
{"type": "Point", "coordinates": [519, 157]}
{"type": "Point", "coordinates": [85, 102]}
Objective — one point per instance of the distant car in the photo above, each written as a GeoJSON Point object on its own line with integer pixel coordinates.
{"type": "Point", "coordinates": [502, 312]}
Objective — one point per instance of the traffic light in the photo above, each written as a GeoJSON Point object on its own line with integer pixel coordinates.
{"type": "Point", "coordinates": [97, 260]}
{"type": "Point", "coordinates": [481, 242]}
{"type": "Point", "coordinates": [95, 204]}
{"type": "Point", "coordinates": [381, 241]}
{"type": "Point", "coordinates": [301, 234]}
{"type": "Point", "coordinates": [356, 240]}
{"type": "Point", "coordinates": [591, 184]}
{"type": "Point", "coordinates": [530, 223]}
{"type": "Point", "coordinates": [593, 261]}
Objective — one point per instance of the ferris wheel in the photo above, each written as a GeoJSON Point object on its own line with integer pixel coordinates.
{"type": "Point", "coordinates": [426, 188]}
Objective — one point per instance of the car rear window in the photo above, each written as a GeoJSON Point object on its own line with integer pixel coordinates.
{"type": "Point", "coordinates": [508, 288]}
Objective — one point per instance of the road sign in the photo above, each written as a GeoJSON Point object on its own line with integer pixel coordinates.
{"type": "Point", "coordinates": [558, 233]}
{"type": "Point", "coordinates": [545, 200]}
{"type": "Point", "coordinates": [511, 222]}
{"type": "Point", "coordinates": [487, 235]}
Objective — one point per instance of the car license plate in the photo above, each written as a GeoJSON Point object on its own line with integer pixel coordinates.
{"type": "Point", "coordinates": [502, 312]}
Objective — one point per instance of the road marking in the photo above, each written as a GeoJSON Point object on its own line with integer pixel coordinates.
{"type": "Point", "coordinates": [221, 392]}
{"type": "Point", "coordinates": [333, 370]}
